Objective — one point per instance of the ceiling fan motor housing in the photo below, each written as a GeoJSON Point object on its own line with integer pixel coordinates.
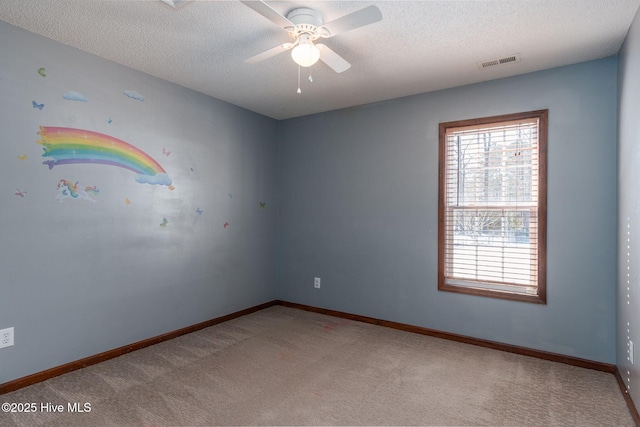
{"type": "Point", "coordinates": [307, 21]}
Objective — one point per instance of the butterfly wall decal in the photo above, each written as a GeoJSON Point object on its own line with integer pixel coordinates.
{"type": "Point", "coordinates": [36, 105]}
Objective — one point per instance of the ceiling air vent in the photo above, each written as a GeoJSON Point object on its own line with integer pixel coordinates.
{"type": "Point", "coordinates": [500, 61]}
{"type": "Point", "coordinates": [175, 3]}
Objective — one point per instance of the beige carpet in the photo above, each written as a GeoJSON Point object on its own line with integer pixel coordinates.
{"type": "Point", "coordinates": [283, 366]}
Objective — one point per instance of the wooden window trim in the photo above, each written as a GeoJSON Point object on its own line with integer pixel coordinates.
{"type": "Point", "coordinates": [541, 297]}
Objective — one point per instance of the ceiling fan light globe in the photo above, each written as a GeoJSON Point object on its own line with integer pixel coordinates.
{"type": "Point", "coordinates": [305, 54]}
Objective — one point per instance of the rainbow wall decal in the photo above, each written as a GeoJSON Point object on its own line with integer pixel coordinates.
{"type": "Point", "coordinates": [69, 146]}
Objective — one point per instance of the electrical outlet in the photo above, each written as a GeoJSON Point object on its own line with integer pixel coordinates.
{"type": "Point", "coordinates": [316, 283]}
{"type": "Point", "coordinates": [6, 337]}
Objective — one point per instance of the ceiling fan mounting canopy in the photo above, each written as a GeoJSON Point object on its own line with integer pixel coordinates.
{"type": "Point", "coordinates": [304, 15]}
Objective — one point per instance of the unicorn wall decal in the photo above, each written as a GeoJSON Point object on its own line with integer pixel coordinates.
{"type": "Point", "coordinates": [69, 190]}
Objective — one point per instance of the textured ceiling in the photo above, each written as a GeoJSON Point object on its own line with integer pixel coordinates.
{"type": "Point", "coordinates": [419, 46]}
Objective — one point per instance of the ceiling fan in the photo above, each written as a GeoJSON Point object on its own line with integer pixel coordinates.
{"type": "Point", "coordinates": [305, 26]}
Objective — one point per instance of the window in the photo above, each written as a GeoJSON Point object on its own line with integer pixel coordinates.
{"type": "Point", "coordinates": [492, 206]}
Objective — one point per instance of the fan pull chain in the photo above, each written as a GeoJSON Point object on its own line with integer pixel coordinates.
{"type": "Point", "coordinates": [310, 78]}
{"type": "Point", "coordinates": [299, 91]}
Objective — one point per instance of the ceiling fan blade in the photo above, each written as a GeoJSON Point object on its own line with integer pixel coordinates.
{"type": "Point", "coordinates": [269, 53]}
{"type": "Point", "coordinates": [332, 59]}
{"type": "Point", "coordinates": [268, 12]}
{"type": "Point", "coordinates": [353, 20]}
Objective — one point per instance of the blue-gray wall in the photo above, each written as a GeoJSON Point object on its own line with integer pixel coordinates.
{"type": "Point", "coordinates": [79, 278]}
{"type": "Point", "coordinates": [358, 191]}
{"type": "Point", "coordinates": [628, 292]}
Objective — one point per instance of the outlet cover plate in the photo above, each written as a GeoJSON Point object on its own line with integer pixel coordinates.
{"type": "Point", "coordinates": [6, 337]}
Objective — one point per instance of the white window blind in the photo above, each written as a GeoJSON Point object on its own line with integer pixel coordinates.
{"type": "Point", "coordinates": [490, 236]}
